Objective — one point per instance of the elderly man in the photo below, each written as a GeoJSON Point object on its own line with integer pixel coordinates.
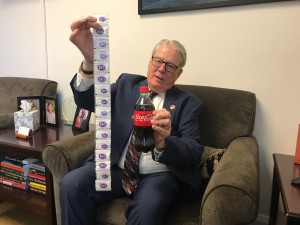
{"type": "Point", "coordinates": [167, 173]}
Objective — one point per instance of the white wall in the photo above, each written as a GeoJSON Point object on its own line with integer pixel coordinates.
{"type": "Point", "coordinates": [254, 48]}
{"type": "Point", "coordinates": [22, 38]}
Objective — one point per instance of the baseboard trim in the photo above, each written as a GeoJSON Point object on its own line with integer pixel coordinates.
{"type": "Point", "coordinates": [263, 219]}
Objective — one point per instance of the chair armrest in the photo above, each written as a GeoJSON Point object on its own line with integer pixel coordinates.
{"type": "Point", "coordinates": [232, 194]}
{"type": "Point", "coordinates": [63, 156]}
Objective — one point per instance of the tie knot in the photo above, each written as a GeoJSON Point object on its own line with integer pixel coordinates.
{"type": "Point", "coordinates": [152, 94]}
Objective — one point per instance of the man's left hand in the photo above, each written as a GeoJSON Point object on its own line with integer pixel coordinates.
{"type": "Point", "coordinates": [161, 124]}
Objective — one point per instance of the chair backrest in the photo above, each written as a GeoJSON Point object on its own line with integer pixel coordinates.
{"type": "Point", "coordinates": [226, 115]}
{"type": "Point", "coordinates": [13, 87]}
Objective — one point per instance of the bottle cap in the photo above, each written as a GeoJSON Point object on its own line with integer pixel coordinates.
{"type": "Point", "coordinates": [144, 89]}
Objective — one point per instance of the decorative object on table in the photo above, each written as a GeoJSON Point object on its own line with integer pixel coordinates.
{"type": "Point", "coordinates": [297, 153]}
{"type": "Point", "coordinates": [21, 86]}
{"type": "Point", "coordinates": [162, 6]}
{"type": "Point", "coordinates": [68, 109]}
{"type": "Point", "coordinates": [50, 108]}
{"type": "Point", "coordinates": [27, 117]}
{"type": "Point", "coordinates": [81, 120]}
{"type": "Point", "coordinates": [24, 132]}
{"type": "Point", "coordinates": [36, 103]}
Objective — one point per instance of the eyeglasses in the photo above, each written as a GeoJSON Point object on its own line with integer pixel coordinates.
{"type": "Point", "coordinates": [169, 66]}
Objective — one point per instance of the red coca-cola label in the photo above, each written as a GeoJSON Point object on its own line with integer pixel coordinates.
{"type": "Point", "coordinates": [142, 118]}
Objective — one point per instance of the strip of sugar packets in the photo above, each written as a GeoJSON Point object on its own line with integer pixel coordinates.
{"type": "Point", "coordinates": [102, 104]}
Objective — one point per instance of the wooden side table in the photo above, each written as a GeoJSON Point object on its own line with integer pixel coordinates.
{"type": "Point", "coordinates": [37, 203]}
{"type": "Point", "coordinates": [284, 171]}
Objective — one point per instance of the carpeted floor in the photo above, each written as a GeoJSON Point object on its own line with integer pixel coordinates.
{"type": "Point", "coordinates": [12, 215]}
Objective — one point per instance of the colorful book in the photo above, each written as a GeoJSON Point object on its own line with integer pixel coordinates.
{"type": "Point", "coordinates": [20, 185]}
{"type": "Point", "coordinates": [12, 176]}
{"type": "Point", "coordinates": [36, 176]}
{"type": "Point", "coordinates": [19, 160]}
{"type": "Point", "coordinates": [37, 186]}
{"type": "Point", "coordinates": [38, 181]}
{"type": "Point", "coordinates": [9, 165]}
{"type": "Point", "coordinates": [38, 165]}
{"type": "Point", "coordinates": [8, 170]}
{"type": "Point", "coordinates": [37, 190]}
{"type": "Point", "coordinates": [36, 171]}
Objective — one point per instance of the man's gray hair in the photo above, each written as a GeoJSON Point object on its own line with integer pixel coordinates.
{"type": "Point", "coordinates": [176, 45]}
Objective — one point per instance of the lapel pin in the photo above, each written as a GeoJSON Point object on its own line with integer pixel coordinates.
{"type": "Point", "coordinates": [172, 107]}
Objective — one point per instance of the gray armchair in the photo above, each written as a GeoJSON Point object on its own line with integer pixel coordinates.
{"type": "Point", "coordinates": [231, 196]}
{"type": "Point", "coordinates": [13, 87]}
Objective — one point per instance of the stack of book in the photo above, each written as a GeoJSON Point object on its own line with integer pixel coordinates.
{"type": "Point", "coordinates": [36, 177]}
{"type": "Point", "coordinates": [14, 170]}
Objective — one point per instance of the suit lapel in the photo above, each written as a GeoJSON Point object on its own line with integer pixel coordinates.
{"type": "Point", "coordinates": [171, 102]}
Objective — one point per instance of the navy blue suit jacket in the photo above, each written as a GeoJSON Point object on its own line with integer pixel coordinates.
{"type": "Point", "coordinates": [183, 149]}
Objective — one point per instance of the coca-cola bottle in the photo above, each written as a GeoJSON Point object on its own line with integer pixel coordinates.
{"type": "Point", "coordinates": [144, 139]}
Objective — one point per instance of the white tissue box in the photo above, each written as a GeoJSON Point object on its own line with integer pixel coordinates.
{"type": "Point", "coordinates": [27, 119]}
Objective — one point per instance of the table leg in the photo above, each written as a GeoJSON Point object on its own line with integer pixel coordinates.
{"type": "Point", "coordinates": [51, 215]}
{"type": "Point", "coordinates": [274, 199]}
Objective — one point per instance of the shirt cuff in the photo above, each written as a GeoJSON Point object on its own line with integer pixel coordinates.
{"type": "Point", "coordinates": [157, 154]}
{"type": "Point", "coordinates": [81, 83]}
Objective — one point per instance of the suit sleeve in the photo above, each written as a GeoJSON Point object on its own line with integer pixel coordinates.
{"type": "Point", "coordinates": [84, 99]}
{"type": "Point", "coordinates": [184, 147]}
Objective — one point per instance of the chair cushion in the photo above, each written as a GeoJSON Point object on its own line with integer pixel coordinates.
{"type": "Point", "coordinates": [112, 213]}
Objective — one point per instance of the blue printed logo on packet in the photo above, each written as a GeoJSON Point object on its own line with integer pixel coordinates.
{"type": "Point", "coordinates": [102, 124]}
{"type": "Point", "coordinates": [104, 101]}
{"type": "Point", "coordinates": [103, 90]}
{"type": "Point", "coordinates": [100, 31]}
{"type": "Point", "coordinates": [104, 113]}
{"type": "Point", "coordinates": [102, 156]}
{"type": "Point", "coordinates": [102, 19]}
{"type": "Point", "coordinates": [102, 79]}
{"type": "Point", "coordinates": [103, 56]}
{"type": "Point", "coordinates": [102, 43]}
{"type": "Point", "coordinates": [103, 185]}
{"type": "Point", "coordinates": [104, 146]}
{"type": "Point", "coordinates": [101, 67]}
{"type": "Point", "coordinates": [104, 135]}
{"type": "Point", "coordinates": [102, 165]}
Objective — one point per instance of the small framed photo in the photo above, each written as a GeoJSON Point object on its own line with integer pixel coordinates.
{"type": "Point", "coordinates": [81, 119]}
{"type": "Point", "coordinates": [50, 111]}
{"type": "Point", "coordinates": [36, 104]}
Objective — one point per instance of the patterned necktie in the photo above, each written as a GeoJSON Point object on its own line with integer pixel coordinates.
{"type": "Point", "coordinates": [131, 165]}
{"type": "Point", "coordinates": [131, 168]}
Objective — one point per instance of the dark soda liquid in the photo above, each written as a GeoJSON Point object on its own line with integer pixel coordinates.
{"type": "Point", "coordinates": [144, 139]}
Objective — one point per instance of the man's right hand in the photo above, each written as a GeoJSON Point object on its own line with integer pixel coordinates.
{"type": "Point", "coordinates": [82, 37]}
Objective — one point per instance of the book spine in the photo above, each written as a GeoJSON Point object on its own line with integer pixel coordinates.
{"type": "Point", "coordinates": [37, 172]}
{"type": "Point", "coordinates": [36, 176]}
{"type": "Point", "coordinates": [12, 166]}
{"type": "Point", "coordinates": [38, 181]}
{"type": "Point", "coordinates": [37, 190]}
{"type": "Point", "coordinates": [16, 160]}
{"type": "Point", "coordinates": [20, 185]}
{"type": "Point", "coordinates": [40, 168]}
{"type": "Point", "coordinates": [37, 186]}
{"type": "Point", "coordinates": [11, 176]}
{"type": "Point", "coordinates": [8, 170]}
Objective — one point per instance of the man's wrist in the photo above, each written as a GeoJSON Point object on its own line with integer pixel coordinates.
{"type": "Point", "coordinates": [161, 147]}
{"type": "Point", "coordinates": [88, 70]}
